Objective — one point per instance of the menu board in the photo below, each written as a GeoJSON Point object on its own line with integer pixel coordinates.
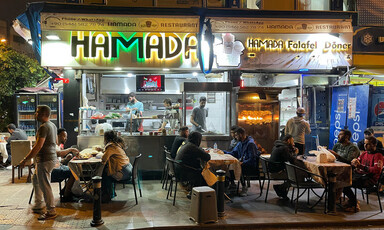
{"type": "Point", "coordinates": [150, 83]}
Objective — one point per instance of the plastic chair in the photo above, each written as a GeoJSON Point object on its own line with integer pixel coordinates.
{"type": "Point", "coordinates": [300, 178]}
{"type": "Point", "coordinates": [265, 164]}
{"type": "Point", "coordinates": [134, 178]}
{"type": "Point", "coordinates": [165, 169]}
{"type": "Point", "coordinates": [176, 178]}
{"type": "Point", "coordinates": [366, 188]}
{"type": "Point", "coordinates": [20, 149]}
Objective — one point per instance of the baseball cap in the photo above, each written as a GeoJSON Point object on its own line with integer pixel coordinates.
{"type": "Point", "coordinates": [368, 131]}
{"type": "Point", "coordinates": [300, 110]}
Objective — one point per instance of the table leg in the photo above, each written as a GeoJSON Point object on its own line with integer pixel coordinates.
{"type": "Point", "coordinates": [331, 192]}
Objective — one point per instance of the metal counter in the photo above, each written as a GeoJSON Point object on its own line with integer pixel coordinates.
{"type": "Point", "coordinates": [151, 147]}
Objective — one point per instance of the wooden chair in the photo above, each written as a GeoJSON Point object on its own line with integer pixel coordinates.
{"type": "Point", "coordinates": [19, 149]}
{"type": "Point", "coordinates": [134, 179]}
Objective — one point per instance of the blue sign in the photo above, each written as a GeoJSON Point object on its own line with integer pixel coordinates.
{"type": "Point", "coordinates": [338, 113]}
{"type": "Point", "coordinates": [377, 107]}
{"type": "Point", "coordinates": [357, 116]}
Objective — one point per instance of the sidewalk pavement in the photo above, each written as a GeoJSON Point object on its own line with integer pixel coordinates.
{"type": "Point", "coordinates": [154, 211]}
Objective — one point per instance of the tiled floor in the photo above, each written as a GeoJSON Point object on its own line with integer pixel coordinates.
{"type": "Point", "coordinates": [154, 210]}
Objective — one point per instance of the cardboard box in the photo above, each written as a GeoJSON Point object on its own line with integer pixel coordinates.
{"type": "Point", "coordinates": [179, 3]}
{"type": "Point", "coordinates": [130, 3]}
{"type": "Point", "coordinates": [215, 3]}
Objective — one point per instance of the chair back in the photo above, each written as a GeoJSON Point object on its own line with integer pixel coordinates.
{"type": "Point", "coordinates": [291, 172]}
{"type": "Point", "coordinates": [171, 165]}
{"type": "Point", "coordinates": [19, 149]}
{"type": "Point", "coordinates": [381, 178]}
{"type": "Point", "coordinates": [134, 167]}
{"type": "Point", "coordinates": [264, 165]}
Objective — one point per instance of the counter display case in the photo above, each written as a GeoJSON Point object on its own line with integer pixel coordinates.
{"type": "Point", "coordinates": [96, 122]}
{"type": "Point", "coordinates": [218, 107]}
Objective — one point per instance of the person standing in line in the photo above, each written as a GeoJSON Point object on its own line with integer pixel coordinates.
{"type": "Point", "coordinates": [198, 117]}
{"type": "Point", "coordinates": [46, 158]}
{"type": "Point", "coordinates": [298, 127]}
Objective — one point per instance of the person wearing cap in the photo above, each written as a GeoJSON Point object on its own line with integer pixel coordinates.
{"type": "Point", "coordinates": [368, 132]}
{"type": "Point", "coordinates": [298, 127]}
{"type": "Point", "coordinates": [198, 117]}
{"type": "Point", "coordinates": [184, 132]}
{"type": "Point", "coordinates": [137, 108]}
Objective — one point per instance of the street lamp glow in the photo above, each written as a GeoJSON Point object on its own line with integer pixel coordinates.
{"type": "Point", "coordinates": [3, 40]}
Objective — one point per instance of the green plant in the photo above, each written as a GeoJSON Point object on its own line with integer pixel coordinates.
{"type": "Point", "coordinates": [16, 71]}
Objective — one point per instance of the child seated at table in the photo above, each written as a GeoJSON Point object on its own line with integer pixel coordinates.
{"type": "Point", "coordinates": [117, 165]}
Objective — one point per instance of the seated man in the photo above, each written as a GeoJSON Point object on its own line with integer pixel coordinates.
{"type": "Point", "coordinates": [283, 151]}
{"type": "Point", "coordinates": [184, 132]}
{"type": "Point", "coordinates": [368, 132]}
{"type": "Point", "coordinates": [16, 134]}
{"type": "Point", "coordinates": [62, 172]}
{"type": "Point", "coordinates": [191, 154]}
{"type": "Point", "coordinates": [367, 169]}
{"type": "Point", "coordinates": [248, 155]}
{"type": "Point", "coordinates": [344, 150]}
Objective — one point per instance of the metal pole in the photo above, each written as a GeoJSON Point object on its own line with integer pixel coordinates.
{"type": "Point", "coordinates": [220, 192]}
{"type": "Point", "coordinates": [331, 192]}
{"type": "Point", "coordinates": [97, 221]}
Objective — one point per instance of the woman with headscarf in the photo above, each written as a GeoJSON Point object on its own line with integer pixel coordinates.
{"type": "Point", "coordinates": [191, 154]}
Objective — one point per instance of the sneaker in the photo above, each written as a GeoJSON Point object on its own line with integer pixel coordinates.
{"type": "Point", "coordinates": [244, 191]}
{"type": "Point", "coordinates": [47, 216]}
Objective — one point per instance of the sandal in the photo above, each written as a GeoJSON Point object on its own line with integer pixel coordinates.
{"type": "Point", "coordinates": [47, 216]}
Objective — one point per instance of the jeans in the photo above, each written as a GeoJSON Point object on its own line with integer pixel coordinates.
{"type": "Point", "coordinates": [42, 185]}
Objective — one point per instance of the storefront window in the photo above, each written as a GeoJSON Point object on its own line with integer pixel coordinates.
{"type": "Point", "coordinates": [215, 108]}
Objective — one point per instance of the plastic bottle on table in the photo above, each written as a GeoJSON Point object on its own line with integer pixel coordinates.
{"type": "Point", "coordinates": [215, 147]}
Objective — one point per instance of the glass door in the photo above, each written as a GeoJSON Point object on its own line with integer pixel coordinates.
{"type": "Point", "coordinates": [25, 114]}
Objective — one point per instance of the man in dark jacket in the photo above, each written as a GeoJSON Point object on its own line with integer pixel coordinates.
{"type": "Point", "coordinates": [246, 152]}
{"type": "Point", "coordinates": [283, 151]}
{"type": "Point", "coordinates": [192, 155]}
{"type": "Point", "coordinates": [184, 132]}
{"type": "Point", "coordinates": [368, 132]}
{"type": "Point", "coordinates": [16, 134]}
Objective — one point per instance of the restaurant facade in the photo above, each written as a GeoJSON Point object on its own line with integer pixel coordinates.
{"type": "Point", "coordinates": [253, 67]}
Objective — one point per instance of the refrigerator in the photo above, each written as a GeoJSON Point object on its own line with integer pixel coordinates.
{"type": "Point", "coordinates": [26, 104]}
{"type": "Point", "coordinates": [351, 106]}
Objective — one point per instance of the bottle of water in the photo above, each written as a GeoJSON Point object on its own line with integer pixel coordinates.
{"type": "Point", "coordinates": [215, 146]}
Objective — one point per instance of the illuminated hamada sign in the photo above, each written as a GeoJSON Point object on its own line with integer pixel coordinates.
{"type": "Point", "coordinates": [107, 50]}
{"type": "Point", "coordinates": [162, 46]}
{"type": "Point", "coordinates": [257, 44]}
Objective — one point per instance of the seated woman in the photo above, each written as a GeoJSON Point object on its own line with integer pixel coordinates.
{"type": "Point", "coordinates": [117, 166]}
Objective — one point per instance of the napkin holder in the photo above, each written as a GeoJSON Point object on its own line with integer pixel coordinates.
{"type": "Point", "coordinates": [321, 158]}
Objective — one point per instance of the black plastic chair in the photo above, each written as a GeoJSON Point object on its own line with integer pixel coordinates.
{"type": "Point", "coordinates": [265, 164]}
{"type": "Point", "coordinates": [165, 169]}
{"type": "Point", "coordinates": [134, 177]}
{"type": "Point", "coordinates": [168, 173]}
{"type": "Point", "coordinates": [365, 189]}
{"type": "Point", "coordinates": [176, 178]}
{"type": "Point", "coordinates": [300, 178]}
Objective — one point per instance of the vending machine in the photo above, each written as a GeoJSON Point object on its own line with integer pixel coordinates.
{"type": "Point", "coordinates": [26, 104]}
